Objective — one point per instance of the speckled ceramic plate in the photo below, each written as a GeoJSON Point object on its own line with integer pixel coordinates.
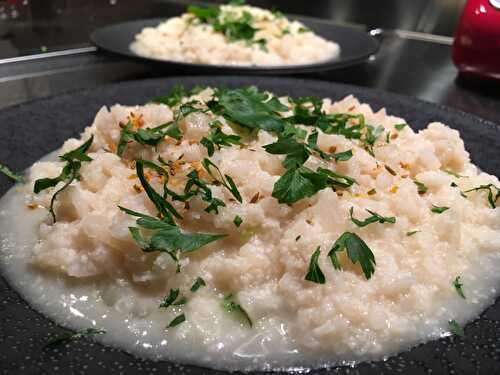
{"type": "Point", "coordinates": [29, 131]}
{"type": "Point", "coordinates": [356, 46]}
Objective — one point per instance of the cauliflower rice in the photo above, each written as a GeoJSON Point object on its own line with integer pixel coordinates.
{"type": "Point", "coordinates": [276, 40]}
{"type": "Point", "coordinates": [87, 270]}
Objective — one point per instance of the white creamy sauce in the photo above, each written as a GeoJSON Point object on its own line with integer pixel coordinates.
{"type": "Point", "coordinates": [86, 270]}
{"type": "Point", "coordinates": [218, 342]}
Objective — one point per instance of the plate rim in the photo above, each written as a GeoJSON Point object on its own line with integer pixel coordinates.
{"type": "Point", "coordinates": [408, 100]}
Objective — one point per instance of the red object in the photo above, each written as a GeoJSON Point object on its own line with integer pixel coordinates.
{"type": "Point", "coordinates": [476, 49]}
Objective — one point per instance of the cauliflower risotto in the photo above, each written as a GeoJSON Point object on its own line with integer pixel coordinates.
{"type": "Point", "coordinates": [234, 229]}
{"type": "Point", "coordinates": [238, 35]}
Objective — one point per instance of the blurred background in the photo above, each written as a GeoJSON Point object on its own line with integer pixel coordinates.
{"type": "Point", "coordinates": [35, 26]}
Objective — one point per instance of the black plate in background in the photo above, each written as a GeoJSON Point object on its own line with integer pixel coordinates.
{"type": "Point", "coordinates": [355, 47]}
{"type": "Point", "coordinates": [31, 130]}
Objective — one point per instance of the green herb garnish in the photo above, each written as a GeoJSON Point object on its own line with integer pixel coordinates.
{"type": "Point", "coordinates": [296, 153]}
{"type": "Point", "coordinates": [458, 287]}
{"type": "Point", "coordinates": [342, 156]}
{"type": "Point", "coordinates": [173, 98]}
{"type": "Point", "coordinates": [357, 251]}
{"type": "Point", "coordinates": [171, 299]}
{"type": "Point", "coordinates": [165, 209]}
{"type": "Point", "coordinates": [225, 180]}
{"type": "Point", "coordinates": [177, 320]}
{"type": "Point", "coordinates": [199, 282]}
{"type": "Point", "coordinates": [69, 173]}
{"type": "Point", "coordinates": [166, 237]}
{"type": "Point", "coordinates": [438, 209]}
{"type": "Point", "coordinates": [148, 136]}
{"type": "Point", "coordinates": [218, 139]}
{"type": "Point", "coordinates": [492, 197]}
{"type": "Point", "coordinates": [250, 108]}
{"type": "Point", "coordinates": [371, 136]}
{"type": "Point", "coordinates": [455, 328]}
{"type": "Point", "coordinates": [344, 124]}
{"type": "Point", "coordinates": [230, 306]}
{"type": "Point", "coordinates": [454, 174]}
{"type": "Point", "coordinates": [411, 233]}
{"type": "Point", "coordinates": [400, 126]}
{"type": "Point", "coordinates": [72, 336]}
{"type": "Point", "coordinates": [237, 221]}
{"type": "Point", "coordinates": [10, 173]}
{"type": "Point", "coordinates": [233, 27]}
{"type": "Point", "coordinates": [314, 272]}
{"type": "Point", "coordinates": [421, 188]}
{"type": "Point", "coordinates": [299, 183]}
{"type": "Point", "coordinates": [154, 136]}
{"type": "Point", "coordinates": [372, 219]}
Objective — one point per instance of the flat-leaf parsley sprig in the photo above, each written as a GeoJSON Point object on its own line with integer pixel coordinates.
{"type": "Point", "coordinates": [69, 173]}
{"type": "Point", "coordinates": [357, 251]}
{"type": "Point", "coordinates": [493, 193]}
{"type": "Point", "coordinates": [374, 218]}
{"type": "Point", "coordinates": [10, 173]}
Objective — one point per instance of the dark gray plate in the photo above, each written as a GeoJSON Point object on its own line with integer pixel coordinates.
{"type": "Point", "coordinates": [31, 130]}
{"type": "Point", "coordinates": [356, 46]}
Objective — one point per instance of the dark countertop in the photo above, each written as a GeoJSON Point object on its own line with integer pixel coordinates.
{"type": "Point", "coordinates": [405, 65]}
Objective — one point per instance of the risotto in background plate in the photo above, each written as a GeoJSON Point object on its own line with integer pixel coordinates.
{"type": "Point", "coordinates": [237, 230]}
{"type": "Point", "coordinates": [238, 35]}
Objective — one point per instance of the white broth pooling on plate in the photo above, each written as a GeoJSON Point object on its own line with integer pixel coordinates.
{"type": "Point", "coordinates": [236, 35]}
{"type": "Point", "coordinates": [346, 239]}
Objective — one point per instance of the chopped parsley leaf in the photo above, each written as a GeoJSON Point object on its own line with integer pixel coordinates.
{"type": "Point", "coordinates": [174, 97]}
{"type": "Point", "coordinates": [335, 123]}
{"type": "Point", "coordinates": [357, 251]}
{"type": "Point", "coordinates": [165, 237]}
{"type": "Point", "coordinates": [314, 272]}
{"type": "Point", "coordinates": [455, 328]}
{"type": "Point", "coordinates": [170, 299]}
{"type": "Point", "coordinates": [458, 287]}
{"type": "Point", "coordinates": [411, 233]}
{"type": "Point", "coordinates": [250, 108]}
{"type": "Point", "coordinates": [454, 174]}
{"type": "Point", "coordinates": [492, 197]}
{"type": "Point", "coordinates": [181, 301]}
{"type": "Point", "coordinates": [10, 173]}
{"type": "Point", "coordinates": [166, 210]}
{"type": "Point", "coordinates": [299, 183]}
{"type": "Point", "coordinates": [217, 138]}
{"type": "Point", "coordinates": [421, 188]}
{"type": "Point", "coordinates": [237, 220]}
{"type": "Point", "coordinates": [177, 320]}
{"type": "Point", "coordinates": [230, 306]}
{"type": "Point", "coordinates": [371, 136]}
{"type": "Point", "coordinates": [400, 126]}
{"type": "Point", "coordinates": [343, 156]}
{"type": "Point", "coordinates": [199, 283]}
{"type": "Point", "coordinates": [71, 336]}
{"type": "Point", "coordinates": [148, 136]}
{"type": "Point", "coordinates": [225, 180]}
{"type": "Point", "coordinates": [69, 173]}
{"type": "Point", "coordinates": [194, 187]}
{"type": "Point", "coordinates": [296, 153]}
{"type": "Point", "coordinates": [438, 209]}
{"type": "Point", "coordinates": [371, 219]}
